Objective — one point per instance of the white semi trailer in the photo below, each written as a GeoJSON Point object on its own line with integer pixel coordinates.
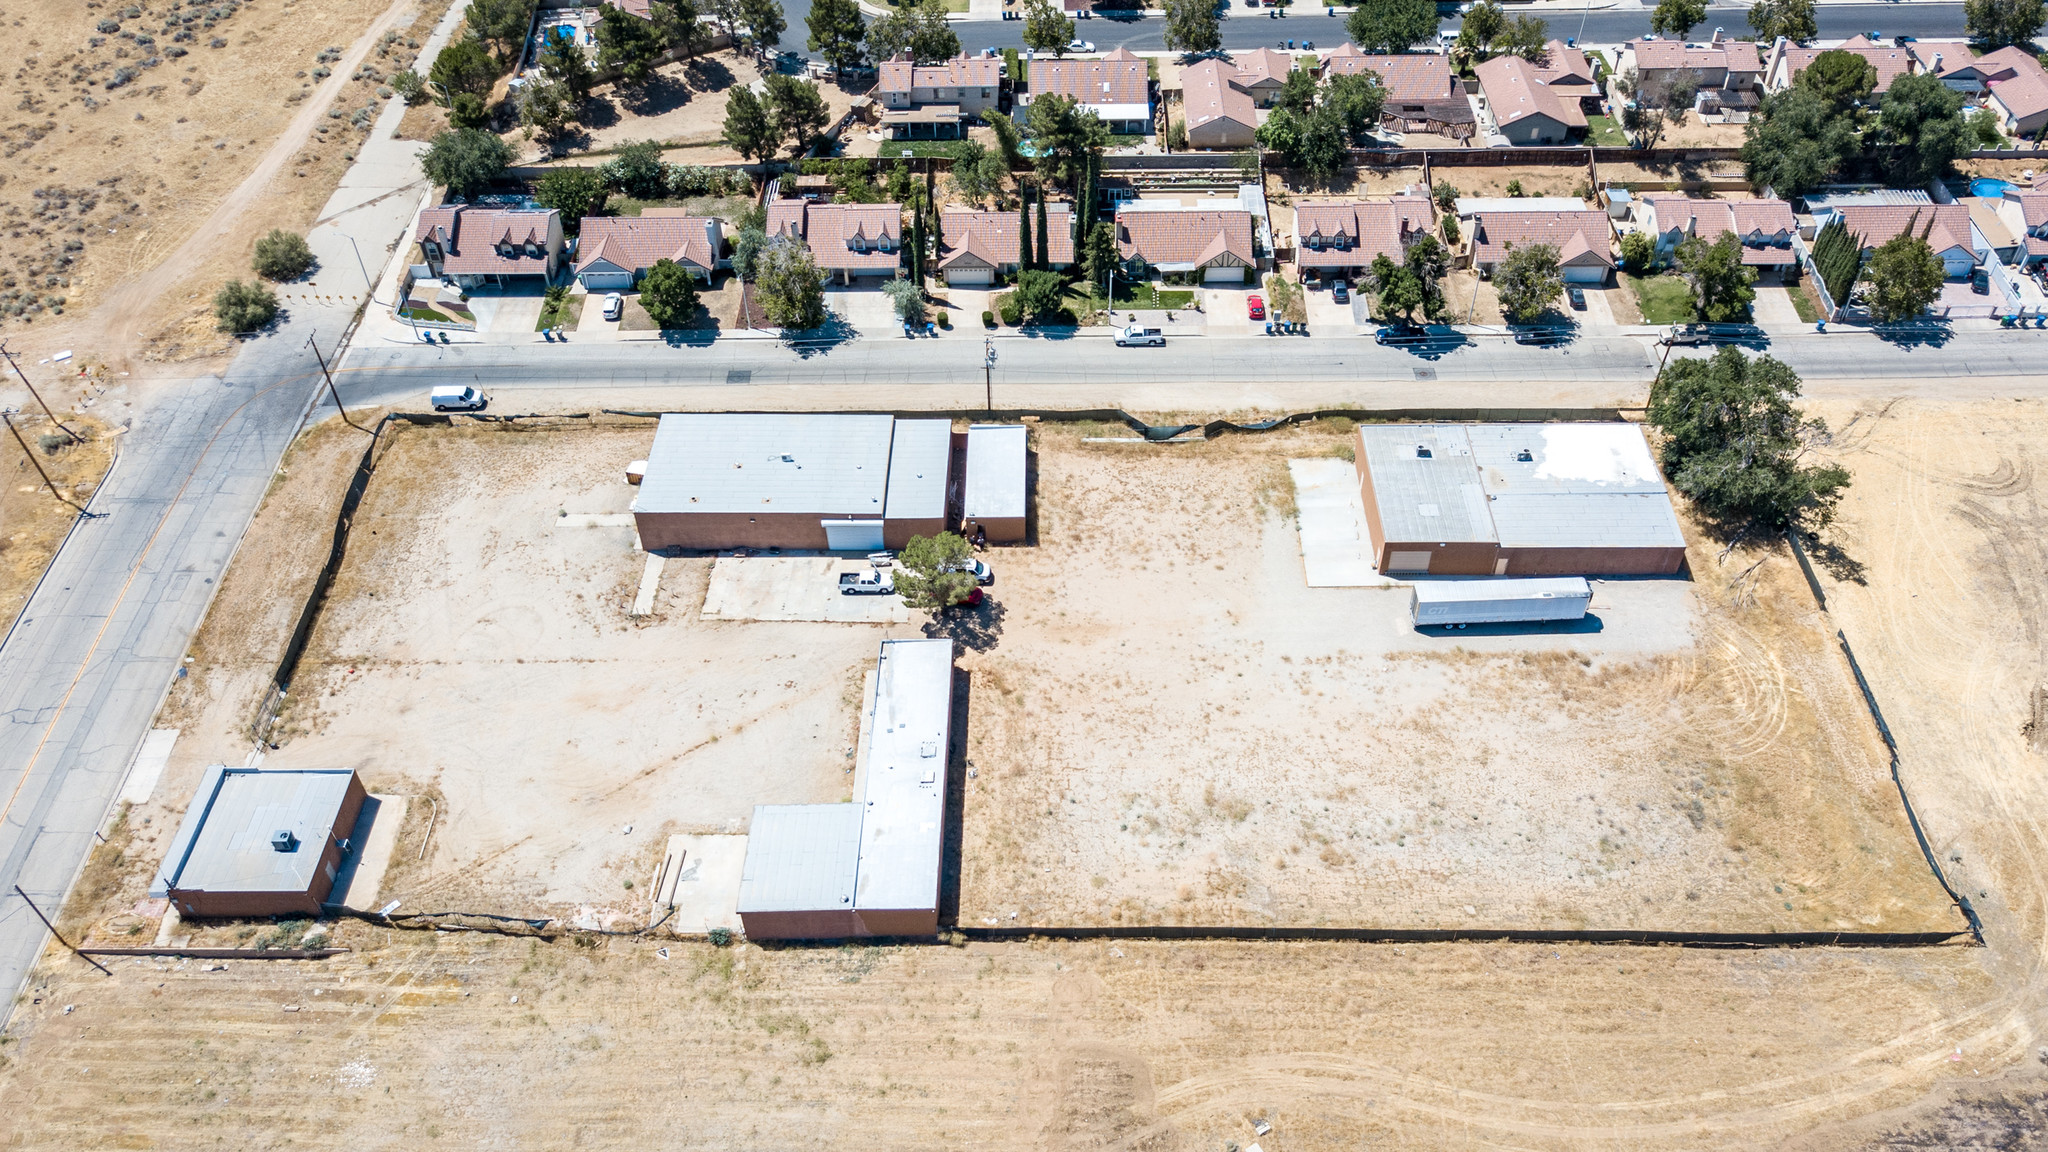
{"type": "Point", "coordinates": [1456, 603]}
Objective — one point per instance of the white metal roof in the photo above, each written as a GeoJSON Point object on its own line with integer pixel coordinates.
{"type": "Point", "coordinates": [223, 844]}
{"type": "Point", "coordinates": [1510, 588]}
{"type": "Point", "coordinates": [800, 858]}
{"type": "Point", "coordinates": [830, 464]}
{"type": "Point", "coordinates": [995, 472]}
{"type": "Point", "coordinates": [1467, 205]}
{"type": "Point", "coordinates": [918, 462]}
{"type": "Point", "coordinates": [905, 798]}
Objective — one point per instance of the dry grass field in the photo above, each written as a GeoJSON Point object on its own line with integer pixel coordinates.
{"type": "Point", "coordinates": [33, 524]}
{"type": "Point", "coordinates": [415, 1039]}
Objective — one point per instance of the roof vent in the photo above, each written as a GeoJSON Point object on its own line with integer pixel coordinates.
{"type": "Point", "coordinates": [1525, 457]}
{"type": "Point", "coordinates": [282, 840]}
{"type": "Point", "coordinates": [1422, 453]}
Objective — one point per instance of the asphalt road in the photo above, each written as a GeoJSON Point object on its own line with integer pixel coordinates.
{"type": "Point", "coordinates": [1254, 27]}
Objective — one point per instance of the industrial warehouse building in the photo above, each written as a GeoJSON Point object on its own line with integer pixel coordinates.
{"type": "Point", "coordinates": [1516, 500]}
{"type": "Point", "coordinates": [260, 843]}
{"type": "Point", "coordinates": [869, 868]}
{"type": "Point", "coordinates": [808, 481]}
{"type": "Point", "coordinates": [996, 479]}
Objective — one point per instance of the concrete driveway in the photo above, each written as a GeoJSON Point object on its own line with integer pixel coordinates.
{"type": "Point", "coordinates": [1224, 309]}
{"type": "Point", "coordinates": [519, 313]}
{"type": "Point", "coordinates": [867, 309]}
{"type": "Point", "coordinates": [1329, 318]}
{"type": "Point", "coordinates": [593, 319]}
{"type": "Point", "coordinates": [1772, 310]}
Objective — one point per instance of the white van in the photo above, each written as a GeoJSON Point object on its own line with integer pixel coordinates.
{"type": "Point", "coordinates": [457, 398]}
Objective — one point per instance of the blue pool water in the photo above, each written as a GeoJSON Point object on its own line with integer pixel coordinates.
{"type": "Point", "coordinates": [1987, 187]}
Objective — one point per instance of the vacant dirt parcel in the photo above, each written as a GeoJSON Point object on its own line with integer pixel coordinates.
{"type": "Point", "coordinates": [1175, 729]}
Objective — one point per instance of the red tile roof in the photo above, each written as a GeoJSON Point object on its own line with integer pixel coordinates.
{"type": "Point", "coordinates": [1710, 219]}
{"type": "Point", "coordinates": [1514, 93]}
{"type": "Point", "coordinates": [1566, 66]}
{"type": "Point", "coordinates": [991, 237]}
{"type": "Point", "coordinates": [963, 71]}
{"type": "Point", "coordinates": [1207, 95]}
{"type": "Point", "coordinates": [2025, 92]}
{"type": "Point", "coordinates": [1118, 78]}
{"type": "Point", "coordinates": [1736, 56]}
{"type": "Point", "coordinates": [1582, 237]}
{"type": "Point", "coordinates": [1877, 223]}
{"type": "Point", "coordinates": [1408, 79]}
{"type": "Point", "coordinates": [2033, 204]}
{"type": "Point", "coordinates": [1192, 236]}
{"type": "Point", "coordinates": [1355, 231]}
{"type": "Point", "coordinates": [635, 243]}
{"type": "Point", "coordinates": [474, 232]}
{"type": "Point", "coordinates": [1891, 63]}
{"type": "Point", "coordinates": [1261, 65]}
{"type": "Point", "coordinates": [1955, 54]}
{"type": "Point", "coordinates": [830, 231]}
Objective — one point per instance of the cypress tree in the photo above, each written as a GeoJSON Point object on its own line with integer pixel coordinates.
{"type": "Point", "coordinates": [1044, 249]}
{"type": "Point", "coordinates": [916, 252]}
{"type": "Point", "coordinates": [1024, 259]}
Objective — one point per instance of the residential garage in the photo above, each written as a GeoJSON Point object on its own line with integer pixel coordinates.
{"type": "Point", "coordinates": [261, 843]}
{"type": "Point", "coordinates": [1516, 500]}
{"type": "Point", "coordinates": [995, 498]}
{"type": "Point", "coordinates": [802, 481]}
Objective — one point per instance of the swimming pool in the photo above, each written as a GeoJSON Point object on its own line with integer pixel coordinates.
{"type": "Point", "coordinates": [1991, 189]}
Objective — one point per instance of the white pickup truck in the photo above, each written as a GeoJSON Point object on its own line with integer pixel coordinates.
{"type": "Point", "coordinates": [1138, 336]}
{"type": "Point", "coordinates": [874, 582]}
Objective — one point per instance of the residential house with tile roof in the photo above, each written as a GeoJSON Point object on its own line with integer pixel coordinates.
{"type": "Point", "coordinates": [846, 240]}
{"type": "Point", "coordinates": [1115, 87]}
{"type": "Point", "coordinates": [1764, 227]}
{"type": "Point", "coordinates": [1723, 68]}
{"type": "Point", "coordinates": [1788, 60]}
{"type": "Point", "coordinates": [1947, 228]}
{"type": "Point", "coordinates": [2025, 212]}
{"type": "Point", "coordinates": [1952, 60]}
{"type": "Point", "coordinates": [474, 244]}
{"type": "Point", "coordinates": [979, 247]}
{"type": "Point", "coordinates": [1261, 73]}
{"type": "Point", "coordinates": [1338, 239]}
{"type": "Point", "coordinates": [1212, 245]}
{"type": "Point", "coordinates": [2019, 91]}
{"type": "Point", "coordinates": [1583, 238]}
{"type": "Point", "coordinates": [1568, 72]}
{"type": "Point", "coordinates": [614, 252]}
{"type": "Point", "coordinates": [1422, 95]}
{"type": "Point", "coordinates": [1219, 114]}
{"type": "Point", "coordinates": [1520, 108]}
{"type": "Point", "coordinates": [936, 101]}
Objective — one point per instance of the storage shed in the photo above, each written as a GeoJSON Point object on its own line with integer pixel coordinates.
{"type": "Point", "coordinates": [1516, 500]}
{"type": "Point", "coordinates": [260, 843]}
{"type": "Point", "coordinates": [869, 868]}
{"type": "Point", "coordinates": [811, 481]}
{"type": "Point", "coordinates": [995, 498]}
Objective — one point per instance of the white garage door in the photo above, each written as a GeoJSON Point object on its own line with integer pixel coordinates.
{"type": "Point", "coordinates": [1590, 274]}
{"type": "Point", "coordinates": [853, 535]}
{"type": "Point", "coordinates": [968, 276]}
{"type": "Point", "coordinates": [608, 281]}
{"type": "Point", "coordinates": [1408, 562]}
{"type": "Point", "coordinates": [1223, 275]}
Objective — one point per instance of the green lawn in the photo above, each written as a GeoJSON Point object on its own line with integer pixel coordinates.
{"type": "Point", "coordinates": [1148, 296]}
{"type": "Point", "coordinates": [1663, 299]}
{"type": "Point", "coordinates": [726, 207]}
{"type": "Point", "coordinates": [893, 148]}
{"type": "Point", "coordinates": [571, 312]}
{"type": "Point", "coordinates": [1802, 303]}
{"type": "Point", "coordinates": [1603, 131]}
{"type": "Point", "coordinates": [428, 314]}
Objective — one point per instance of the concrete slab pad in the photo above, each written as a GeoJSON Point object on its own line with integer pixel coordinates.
{"type": "Point", "coordinates": [793, 588]}
{"type": "Point", "coordinates": [1336, 548]}
{"type": "Point", "coordinates": [362, 871]}
{"type": "Point", "coordinates": [149, 765]}
{"type": "Point", "coordinates": [650, 582]}
{"type": "Point", "coordinates": [700, 878]}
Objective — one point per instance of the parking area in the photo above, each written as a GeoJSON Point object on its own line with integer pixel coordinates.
{"type": "Point", "coordinates": [796, 588]}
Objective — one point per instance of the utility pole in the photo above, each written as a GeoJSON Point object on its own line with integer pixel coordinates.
{"type": "Point", "coordinates": [59, 935]}
{"type": "Point", "coordinates": [75, 437]}
{"type": "Point", "coordinates": [331, 390]}
{"type": "Point", "coordinates": [39, 466]}
{"type": "Point", "coordinates": [988, 373]}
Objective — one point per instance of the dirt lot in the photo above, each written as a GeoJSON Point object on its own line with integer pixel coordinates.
{"type": "Point", "coordinates": [1174, 728]}
{"type": "Point", "coordinates": [32, 523]}
{"type": "Point", "coordinates": [415, 1040]}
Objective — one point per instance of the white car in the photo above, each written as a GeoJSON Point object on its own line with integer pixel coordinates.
{"type": "Point", "coordinates": [614, 306]}
{"type": "Point", "coordinates": [1081, 46]}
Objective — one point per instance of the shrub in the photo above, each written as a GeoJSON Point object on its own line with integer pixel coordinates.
{"type": "Point", "coordinates": [244, 306]}
{"type": "Point", "coordinates": [1012, 314]}
{"type": "Point", "coordinates": [945, 321]}
{"type": "Point", "coordinates": [282, 255]}
{"type": "Point", "coordinates": [988, 319]}
{"type": "Point", "coordinates": [409, 86]}
{"type": "Point", "coordinates": [108, 26]}
{"type": "Point", "coordinates": [721, 937]}
{"type": "Point", "coordinates": [1515, 188]}
{"type": "Point", "coordinates": [52, 442]}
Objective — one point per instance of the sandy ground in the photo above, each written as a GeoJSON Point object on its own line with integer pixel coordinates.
{"type": "Point", "coordinates": [32, 522]}
{"type": "Point", "coordinates": [1173, 728]}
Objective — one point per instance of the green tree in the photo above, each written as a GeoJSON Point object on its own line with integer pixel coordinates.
{"type": "Point", "coordinates": [1842, 79]}
{"type": "Point", "coordinates": [1796, 143]}
{"type": "Point", "coordinates": [1528, 281]}
{"type": "Point", "coordinates": [1720, 282]}
{"type": "Point", "coordinates": [923, 31]}
{"type": "Point", "coordinates": [1040, 295]}
{"type": "Point", "coordinates": [1446, 196]}
{"type": "Point", "coordinates": [978, 174]}
{"type": "Point", "coordinates": [1732, 442]}
{"type": "Point", "coordinates": [1397, 289]}
{"type": "Point", "coordinates": [1484, 23]}
{"type": "Point", "coordinates": [1450, 228]}
{"type": "Point", "coordinates": [1177, 135]}
{"type": "Point", "coordinates": [1999, 23]}
{"type": "Point", "coordinates": [1067, 135]}
{"type": "Point", "coordinates": [907, 296]}
{"type": "Point", "coordinates": [564, 62]}
{"type": "Point", "coordinates": [747, 244]}
{"type": "Point", "coordinates": [669, 294]}
{"type": "Point", "coordinates": [1837, 259]}
{"type": "Point", "coordinates": [1099, 254]}
{"type": "Point", "coordinates": [543, 108]}
{"type": "Point", "coordinates": [629, 44]}
{"type": "Point", "coordinates": [1048, 29]}
{"type": "Point", "coordinates": [1525, 36]}
{"type": "Point", "coordinates": [838, 33]}
{"type": "Point", "coordinates": [244, 306]}
{"type": "Point", "coordinates": [1905, 277]}
{"type": "Point", "coordinates": [1430, 262]}
{"type": "Point", "coordinates": [1044, 244]}
{"type": "Point", "coordinates": [467, 160]}
{"type": "Point", "coordinates": [1676, 18]}
{"type": "Point", "coordinates": [1392, 27]}
{"type": "Point", "coordinates": [1649, 109]}
{"type": "Point", "coordinates": [765, 22]}
{"type": "Point", "coordinates": [1638, 252]}
{"type": "Point", "coordinates": [789, 286]}
{"type": "Point", "coordinates": [1194, 26]}
{"type": "Point", "coordinates": [468, 110]}
{"type": "Point", "coordinates": [409, 86]}
{"type": "Point", "coordinates": [574, 192]}
{"type": "Point", "coordinates": [798, 109]}
{"type": "Point", "coordinates": [464, 66]}
{"type": "Point", "coordinates": [1357, 101]}
{"type": "Point", "coordinates": [1984, 129]}
{"type": "Point", "coordinates": [500, 24]}
{"type": "Point", "coordinates": [726, 14]}
{"type": "Point", "coordinates": [637, 170]}
{"type": "Point", "coordinates": [1920, 124]}
{"type": "Point", "coordinates": [1025, 259]}
{"type": "Point", "coordinates": [1315, 145]}
{"type": "Point", "coordinates": [933, 571]}
{"type": "Point", "coordinates": [1007, 138]}
{"type": "Point", "coordinates": [748, 127]}
{"type": "Point", "coordinates": [1793, 19]}
{"type": "Point", "coordinates": [1298, 91]}
{"type": "Point", "coordinates": [282, 255]}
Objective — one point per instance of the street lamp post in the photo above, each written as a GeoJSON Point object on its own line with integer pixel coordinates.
{"type": "Point", "coordinates": [988, 373]}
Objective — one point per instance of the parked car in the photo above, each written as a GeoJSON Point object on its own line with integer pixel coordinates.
{"type": "Point", "coordinates": [1980, 282]}
{"type": "Point", "coordinates": [1080, 46]}
{"type": "Point", "coordinates": [1340, 291]}
{"type": "Point", "coordinates": [457, 398]}
{"type": "Point", "coordinates": [614, 306]}
{"type": "Point", "coordinates": [1136, 336]}
{"type": "Point", "coordinates": [974, 565]}
{"type": "Point", "coordinates": [1255, 306]}
{"type": "Point", "coordinates": [1400, 334]}
{"type": "Point", "coordinates": [873, 582]}
{"type": "Point", "coordinates": [1577, 296]}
